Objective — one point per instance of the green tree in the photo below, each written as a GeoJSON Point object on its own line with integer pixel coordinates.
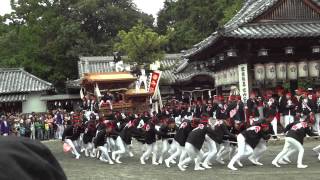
{"type": "Point", "coordinates": [187, 22]}
{"type": "Point", "coordinates": [141, 44]}
{"type": "Point", "coordinates": [46, 37]}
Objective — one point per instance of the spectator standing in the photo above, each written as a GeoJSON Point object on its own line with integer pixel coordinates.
{"type": "Point", "coordinates": [58, 119]}
{"type": "Point", "coordinates": [4, 126]}
{"type": "Point", "coordinates": [32, 128]}
{"type": "Point", "coordinates": [39, 129]}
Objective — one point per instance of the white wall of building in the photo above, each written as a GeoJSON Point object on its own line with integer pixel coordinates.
{"type": "Point", "coordinates": [34, 104]}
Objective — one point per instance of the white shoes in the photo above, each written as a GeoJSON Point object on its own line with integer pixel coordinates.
{"type": "Point", "coordinates": [113, 156]}
{"type": "Point", "coordinates": [281, 161]}
{"type": "Point", "coordinates": [220, 161]}
{"type": "Point", "coordinates": [181, 167]}
{"type": "Point", "coordinates": [287, 159]}
{"type": "Point", "coordinates": [86, 153]}
{"type": "Point", "coordinates": [275, 164]}
{"type": "Point", "coordinates": [205, 165]}
{"type": "Point", "coordinates": [106, 161]}
{"type": "Point", "coordinates": [239, 163]}
{"type": "Point", "coordinates": [302, 166]}
{"type": "Point", "coordinates": [198, 168]}
{"type": "Point", "coordinates": [167, 162]}
{"type": "Point", "coordinates": [232, 168]}
{"type": "Point", "coordinates": [255, 162]}
{"type": "Point", "coordinates": [131, 154]}
{"type": "Point", "coordinates": [118, 160]}
{"type": "Point", "coordinates": [142, 161]}
{"type": "Point", "coordinates": [78, 156]}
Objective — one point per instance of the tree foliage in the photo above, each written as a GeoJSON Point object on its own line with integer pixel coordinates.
{"type": "Point", "coordinates": [189, 21]}
{"type": "Point", "coordinates": [46, 37]}
{"type": "Point", "coordinates": [141, 44]}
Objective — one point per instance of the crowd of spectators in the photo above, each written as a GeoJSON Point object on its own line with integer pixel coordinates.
{"type": "Point", "coordinates": [41, 126]}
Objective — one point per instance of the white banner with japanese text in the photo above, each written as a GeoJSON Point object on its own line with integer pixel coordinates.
{"type": "Point", "coordinates": [243, 82]}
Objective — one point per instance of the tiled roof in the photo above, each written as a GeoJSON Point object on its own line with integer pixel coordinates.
{"type": "Point", "coordinates": [16, 80]}
{"type": "Point", "coordinates": [59, 97]}
{"type": "Point", "coordinates": [102, 64]}
{"type": "Point", "coordinates": [97, 64]}
{"type": "Point", "coordinates": [238, 26]}
{"type": "Point", "coordinates": [12, 97]}
{"type": "Point", "coordinates": [170, 77]}
{"type": "Point", "coordinates": [257, 31]}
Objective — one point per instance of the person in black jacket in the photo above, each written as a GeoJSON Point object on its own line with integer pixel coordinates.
{"type": "Point", "coordinates": [289, 111]}
{"type": "Point", "coordinates": [270, 112]}
{"type": "Point", "coordinates": [252, 104]}
{"type": "Point", "coordinates": [101, 145]}
{"type": "Point", "coordinates": [194, 144]}
{"type": "Point", "coordinates": [70, 136]}
{"type": "Point", "coordinates": [294, 139]}
{"type": "Point", "coordinates": [316, 126]}
{"type": "Point", "coordinates": [221, 113]}
{"type": "Point", "coordinates": [166, 133]}
{"type": "Point", "coordinates": [180, 139]}
{"type": "Point", "coordinates": [89, 134]}
{"type": "Point", "coordinates": [247, 141]}
{"type": "Point", "coordinates": [128, 131]}
{"type": "Point", "coordinates": [150, 139]}
{"type": "Point", "coordinates": [215, 138]}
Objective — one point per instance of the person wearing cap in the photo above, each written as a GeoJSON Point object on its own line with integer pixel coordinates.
{"type": "Point", "coordinates": [216, 139]}
{"type": "Point", "coordinates": [252, 104]}
{"type": "Point", "coordinates": [316, 126]}
{"type": "Point", "coordinates": [236, 128]}
{"type": "Point", "coordinates": [180, 139]}
{"type": "Point", "coordinates": [298, 93]}
{"type": "Point", "coordinates": [221, 113]}
{"type": "Point", "coordinates": [307, 105]}
{"type": "Point", "coordinates": [232, 110]}
{"type": "Point", "coordinates": [4, 126]}
{"type": "Point", "coordinates": [281, 103]}
{"type": "Point", "coordinates": [194, 144]}
{"type": "Point", "coordinates": [270, 112]}
{"type": "Point", "coordinates": [150, 140]}
{"type": "Point", "coordinates": [114, 139]}
{"type": "Point", "coordinates": [127, 132]}
{"type": "Point", "coordinates": [166, 132]}
{"type": "Point", "coordinates": [261, 147]}
{"type": "Point", "coordinates": [289, 111]}
{"type": "Point", "coordinates": [101, 145]}
{"type": "Point", "coordinates": [89, 133]}
{"type": "Point", "coordinates": [59, 120]}
{"type": "Point", "coordinates": [70, 136]}
{"type": "Point", "coordinates": [247, 141]}
{"type": "Point", "coordinates": [294, 141]}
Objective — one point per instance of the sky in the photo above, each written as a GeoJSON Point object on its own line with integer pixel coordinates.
{"type": "Point", "coordinates": [147, 6]}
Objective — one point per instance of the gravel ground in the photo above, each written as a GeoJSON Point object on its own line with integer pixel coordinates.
{"type": "Point", "coordinates": [92, 169]}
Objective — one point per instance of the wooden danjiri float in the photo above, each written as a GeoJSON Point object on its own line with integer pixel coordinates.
{"type": "Point", "coordinates": [119, 90]}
